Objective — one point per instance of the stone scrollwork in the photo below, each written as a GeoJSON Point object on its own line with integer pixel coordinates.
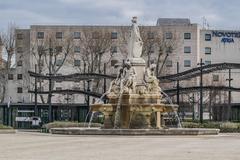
{"type": "Point", "coordinates": [127, 75]}
{"type": "Point", "coordinates": [129, 79]}
{"type": "Point", "coordinates": [151, 80]}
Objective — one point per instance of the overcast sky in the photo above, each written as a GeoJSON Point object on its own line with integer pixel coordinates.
{"type": "Point", "coordinates": [220, 14]}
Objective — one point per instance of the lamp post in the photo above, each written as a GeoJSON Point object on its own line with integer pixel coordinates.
{"type": "Point", "coordinates": [88, 97]}
{"type": "Point", "coordinates": [229, 95]}
{"type": "Point", "coordinates": [192, 101]}
{"type": "Point", "coordinates": [50, 84]}
{"type": "Point", "coordinates": [104, 82]}
{"type": "Point", "coordinates": [35, 94]}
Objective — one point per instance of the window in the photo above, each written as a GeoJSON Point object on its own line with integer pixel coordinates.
{"type": "Point", "coordinates": [150, 35]}
{"type": "Point", "coordinates": [187, 49]}
{"type": "Point", "coordinates": [114, 35]}
{"type": "Point", "coordinates": [76, 88]}
{"type": "Point", "coordinates": [19, 63]}
{"type": "Point", "coordinates": [40, 80]}
{"type": "Point", "coordinates": [76, 80]}
{"type": "Point", "coordinates": [59, 62]}
{"type": "Point", "coordinates": [151, 49]}
{"type": "Point", "coordinates": [77, 35]}
{"type": "Point", "coordinates": [19, 76]}
{"type": "Point", "coordinates": [208, 37]}
{"type": "Point", "coordinates": [20, 50]}
{"type": "Point", "coordinates": [41, 62]}
{"type": "Point", "coordinates": [95, 35]}
{"type": "Point", "coordinates": [114, 49]}
{"type": "Point", "coordinates": [215, 77]}
{"type": "Point", "coordinates": [168, 63]}
{"type": "Point", "coordinates": [187, 63]}
{"type": "Point", "coordinates": [168, 35]}
{"type": "Point", "coordinates": [19, 36]}
{"type": "Point", "coordinates": [77, 62]}
{"type": "Point", "coordinates": [58, 79]}
{"type": "Point", "coordinates": [77, 49]}
{"type": "Point", "coordinates": [169, 49]}
{"type": "Point", "coordinates": [207, 50]}
{"type": "Point", "coordinates": [58, 88]}
{"type": "Point", "coordinates": [10, 76]}
{"type": "Point", "coordinates": [19, 90]}
{"type": "Point", "coordinates": [59, 35]}
{"type": "Point", "coordinates": [58, 49]}
{"type": "Point", "coordinates": [40, 35]}
{"type": "Point", "coordinates": [40, 49]}
{"type": "Point", "coordinates": [187, 35]}
{"type": "Point", "coordinates": [40, 89]}
{"type": "Point", "coordinates": [207, 62]}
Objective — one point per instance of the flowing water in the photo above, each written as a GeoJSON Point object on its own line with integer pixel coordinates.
{"type": "Point", "coordinates": [90, 121]}
{"type": "Point", "coordinates": [175, 112]}
{"type": "Point", "coordinates": [118, 109]}
{"type": "Point", "coordinates": [98, 101]}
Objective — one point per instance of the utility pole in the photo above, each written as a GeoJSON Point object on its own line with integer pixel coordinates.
{"type": "Point", "coordinates": [229, 95]}
{"type": "Point", "coordinates": [201, 90]}
{"type": "Point", "coordinates": [35, 93]}
{"type": "Point", "coordinates": [178, 84]}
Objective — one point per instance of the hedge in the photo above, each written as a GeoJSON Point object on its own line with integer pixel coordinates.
{"type": "Point", "coordinates": [5, 127]}
{"type": "Point", "coordinates": [223, 126]}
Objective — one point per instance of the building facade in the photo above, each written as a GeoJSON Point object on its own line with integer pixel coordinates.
{"type": "Point", "coordinates": [63, 50]}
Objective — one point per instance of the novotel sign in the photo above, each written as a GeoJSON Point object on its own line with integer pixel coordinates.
{"type": "Point", "coordinates": [227, 37]}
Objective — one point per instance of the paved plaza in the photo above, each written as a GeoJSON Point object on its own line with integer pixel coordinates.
{"type": "Point", "coordinates": [37, 146]}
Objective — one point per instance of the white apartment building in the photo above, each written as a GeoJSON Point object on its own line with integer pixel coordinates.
{"type": "Point", "coordinates": [219, 46]}
{"type": "Point", "coordinates": [190, 44]}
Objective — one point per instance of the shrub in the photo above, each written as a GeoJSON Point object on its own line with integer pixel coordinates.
{"type": "Point", "coordinates": [5, 127]}
{"type": "Point", "coordinates": [223, 126]}
{"type": "Point", "coordinates": [191, 125]}
{"type": "Point", "coordinates": [230, 127]}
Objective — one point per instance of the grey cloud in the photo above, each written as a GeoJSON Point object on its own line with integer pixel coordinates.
{"type": "Point", "coordinates": [219, 13]}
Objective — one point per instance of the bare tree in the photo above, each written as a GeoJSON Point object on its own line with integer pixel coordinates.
{"type": "Point", "coordinates": [156, 44]}
{"type": "Point", "coordinates": [8, 45]}
{"type": "Point", "coordinates": [149, 42]}
{"type": "Point", "coordinates": [50, 54]}
{"type": "Point", "coordinates": [94, 46]}
{"type": "Point", "coordinates": [96, 49]}
{"type": "Point", "coordinates": [166, 44]}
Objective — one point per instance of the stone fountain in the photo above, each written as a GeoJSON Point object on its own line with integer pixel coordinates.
{"type": "Point", "coordinates": [135, 90]}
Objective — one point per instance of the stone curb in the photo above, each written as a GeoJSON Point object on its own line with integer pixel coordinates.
{"type": "Point", "coordinates": [7, 131]}
{"type": "Point", "coordinates": [134, 132]}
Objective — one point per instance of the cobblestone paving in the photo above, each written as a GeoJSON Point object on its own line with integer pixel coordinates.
{"type": "Point", "coordinates": [37, 146]}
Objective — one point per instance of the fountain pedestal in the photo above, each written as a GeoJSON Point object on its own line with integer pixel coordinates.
{"type": "Point", "coordinates": [135, 90]}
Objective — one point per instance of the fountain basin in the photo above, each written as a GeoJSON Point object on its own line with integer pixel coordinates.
{"type": "Point", "coordinates": [127, 110]}
{"type": "Point", "coordinates": [146, 104]}
{"type": "Point", "coordinates": [135, 132]}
